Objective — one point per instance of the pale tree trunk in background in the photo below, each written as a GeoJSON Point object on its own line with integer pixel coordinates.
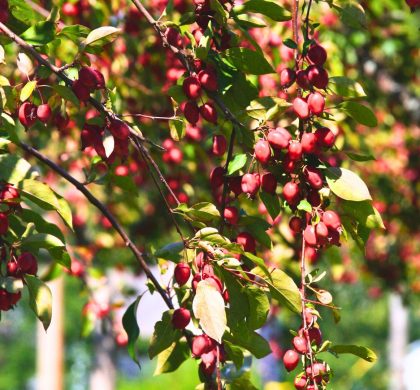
{"type": "Point", "coordinates": [50, 344]}
{"type": "Point", "coordinates": [398, 340]}
{"type": "Point", "coordinates": [103, 374]}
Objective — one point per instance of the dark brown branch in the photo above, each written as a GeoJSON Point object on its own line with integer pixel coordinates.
{"type": "Point", "coordinates": [102, 208]}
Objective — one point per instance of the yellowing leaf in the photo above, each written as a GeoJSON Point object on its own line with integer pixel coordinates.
{"type": "Point", "coordinates": [347, 185]}
{"type": "Point", "coordinates": [100, 35]}
{"type": "Point", "coordinates": [209, 309]}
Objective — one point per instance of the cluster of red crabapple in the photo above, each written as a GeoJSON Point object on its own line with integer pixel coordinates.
{"type": "Point", "coordinates": [13, 266]}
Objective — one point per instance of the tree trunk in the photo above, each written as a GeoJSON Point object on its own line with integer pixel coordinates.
{"type": "Point", "coordinates": [398, 340]}
{"type": "Point", "coordinates": [50, 344]}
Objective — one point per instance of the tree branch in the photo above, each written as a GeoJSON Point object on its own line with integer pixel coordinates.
{"type": "Point", "coordinates": [101, 207]}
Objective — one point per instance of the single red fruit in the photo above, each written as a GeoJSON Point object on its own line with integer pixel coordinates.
{"type": "Point", "coordinates": [300, 382]}
{"type": "Point", "coordinates": [315, 335]}
{"type": "Point", "coordinates": [291, 193]}
{"type": "Point", "coordinates": [119, 129]}
{"type": "Point", "coordinates": [87, 77]}
{"type": "Point", "coordinates": [300, 107]}
{"type": "Point", "coordinates": [318, 372]}
{"type": "Point", "coordinates": [27, 114]}
{"type": "Point", "coordinates": [317, 55]}
{"type": "Point", "coordinates": [9, 193]}
{"type": "Point", "coordinates": [316, 103]}
{"type": "Point", "coordinates": [300, 344]}
{"type": "Point", "coordinates": [235, 185]}
{"type": "Point", "coordinates": [231, 215]}
{"type": "Point", "coordinates": [321, 231]}
{"type": "Point", "coordinates": [318, 76]}
{"type": "Point", "coordinates": [181, 318]}
{"type": "Point", "coordinates": [173, 37]}
{"type": "Point", "coordinates": [191, 111]}
{"type": "Point", "coordinates": [208, 112]}
{"type": "Point", "coordinates": [192, 87]}
{"type": "Point", "coordinates": [279, 138]}
{"type": "Point", "coordinates": [43, 112]}
{"type": "Point", "coordinates": [81, 91]}
{"type": "Point", "coordinates": [331, 219]}
{"type": "Point", "coordinates": [314, 177]}
{"type": "Point", "coordinates": [310, 236]}
{"type": "Point", "coordinates": [309, 143]}
{"type": "Point", "coordinates": [200, 345]}
{"type": "Point", "coordinates": [268, 182]}
{"type": "Point", "coordinates": [4, 11]}
{"type": "Point", "coordinates": [287, 77]}
{"type": "Point", "coordinates": [250, 183]}
{"type": "Point", "coordinates": [290, 360]}
{"type": "Point", "coordinates": [208, 79]}
{"type": "Point", "coordinates": [262, 151]}
{"type": "Point", "coordinates": [313, 197]}
{"type": "Point", "coordinates": [247, 241]}
{"type": "Point", "coordinates": [70, 9]}
{"type": "Point", "coordinates": [296, 224]}
{"type": "Point", "coordinates": [217, 176]}
{"type": "Point", "coordinates": [61, 121]}
{"type": "Point", "coordinates": [325, 137]}
{"type": "Point", "coordinates": [182, 273]}
{"type": "Point", "coordinates": [4, 223]}
{"type": "Point", "coordinates": [219, 145]}
{"type": "Point", "coordinates": [27, 263]}
{"type": "Point", "coordinates": [295, 150]}
{"type": "Point", "coordinates": [302, 79]}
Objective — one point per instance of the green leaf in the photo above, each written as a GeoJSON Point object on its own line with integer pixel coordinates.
{"type": "Point", "coordinates": [237, 163]}
{"type": "Point", "coordinates": [353, 15]}
{"type": "Point", "coordinates": [346, 184]}
{"type": "Point", "coordinates": [40, 299]}
{"type": "Point", "coordinates": [203, 212]}
{"type": "Point", "coordinates": [242, 383]}
{"type": "Point", "coordinates": [220, 14]}
{"type": "Point", "coordinates": [357, 350]}
{"type": "Point", "coordinates": [40, 33]}
{"type": "Point", "coordinates": [43, 196]}
{"type": "Point", "coordinates": [41, 225]}
{"type": "Point", "coordinates": [259, 262]}
{"type": "Point", "coordinates": [364, 213]}
{"type": "Point", "coordinates": [283, 289]}
{"type": "Point", "coordinates": [13, 169]}
{"type": "Point", "coordinates": [360, 113]}
{"type": "Point", "coordinates": [248, 61]}
{"type": "Point", "coordinates": [360, 157]}
{"type": "Point", "coordinates": [345, 87]}
{"type": "Point", "coordinates": [171, 358]}
{"type": "Point", "coordinates": [27, 90]}
{"type": "Point", "coordinates": [164, 335]}
{"type": "Point", "coordinates": [170, 251]}
{"type": "Point", "coordinates": [250, 340]}
{"type": "Point", "coordinates": [240, 310]}
{"type": "Point", "coordinates": [271, 203]}
{"type": "Point", "coordinates": [177, 129]}
{"type": "Point", "coordinates": [234, 353]}
{"type": "Point", "coordinates": [290, 43]}
{"type": "Point", "coordinates": [130, 325]}
{"type": "Point", "coordinates": [267, 108]}
{"type": "Point", "coordinates": [41, 240]}
{"type": "Point", "coordinates": [259, 306]}
{"type": "Point", "coordinates": [258, 228]}
{"type": "Point", "coordinates": [268, 8]}
{"type": "Point", "coordinates": [101, 36]}
{"type": "Point", "coordinates": [23, 12]}
{"type": "Point", "coordinates": [209, 308]}
{"type": "Point", "coordinates": [304, 205]}
{"type": "Point", "coordinates": [75, 32]}
{"type": "Point", "coordinates": [67, 94]}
